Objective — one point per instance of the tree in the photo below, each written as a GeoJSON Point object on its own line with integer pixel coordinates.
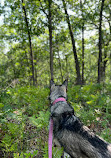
{"type": "Point", "coordinates": [78, 80]}
{"type": "Point", "coordinates": [81, 6]}
{"type": "Point", "coordinates": [50, 36]}
{"type": "Point", "coordinates": [30, 41]}
{"type": "Point", "coordinates": [100, 63]}
{"type": "Point", "coordinates": [106, 37]}
{"type": "Point", "coordinates": [49, 17]}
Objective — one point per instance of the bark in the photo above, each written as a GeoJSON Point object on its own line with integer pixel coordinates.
{"type": "Point", "coordinates": [107, 44]}
{"type": "Point", "coordinates": [110, 66]}
{"type": "Point", "coordinates": [67, 74]}
{"type": "Point", "coordinates": [30, 41]}
{"type": "Point", "coordinates": [110, 40]}
{"type": "Point", "coordinates": [50, 38]}
{"type": "Point", "coordinates": [73, 44]}
{"type": "Point", "coordinates": [104, 64]}
{"type": "Point", "coordinates": [83, 54]}
{"type": "Point", "coordinates": [35, 68]}
{"type": "Point", "coordinates": [36, 77]}
{"type": "Point", "coordinates": [100, 63]}
{"type": "Point", "coordinates": [81, 6]}
{"type": "Point", "coordinates": [60, 66]}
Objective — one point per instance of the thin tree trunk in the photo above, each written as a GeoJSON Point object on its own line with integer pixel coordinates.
{"type": "Point", "coordinates": [27, 62]}
{"type": "Point", "coordinates": [110, 40]}
{"type": "Point", "coordinates": [30, 42]}
{"type": "Point", "coordinates": [105, 51]}
{"type": "Point", "coordinates": [110, 66]}
{"type": "Point", "coordinates": [81, 7]}
{"type": "Point", "coordinates": [36, 76]}
{"type": "Point", "coordinates": [60, 66]}
{"type": "Point", "coordinates": [67, 74]}
{"type": "Point", "coordinates": [83, 53]}
{"type": "Point", "coordinates": [100, 64]}
{"type": "Point", "coordinates": [50, 38]}
{"type": "Point", "coordinates": [104, 64]}
{"type": "Point", "coordinates": [73, 44]}
{"type": "Point", "coordinates": [35, 68]}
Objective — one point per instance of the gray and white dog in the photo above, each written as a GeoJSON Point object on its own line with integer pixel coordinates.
{"type": "Point", "coordinates": [76, 139]}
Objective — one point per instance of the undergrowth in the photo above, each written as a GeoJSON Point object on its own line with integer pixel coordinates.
{"type": "Point", "coordinates": [25, 117]}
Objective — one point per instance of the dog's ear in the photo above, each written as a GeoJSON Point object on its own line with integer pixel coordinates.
{"type": "Point", "coordinates": [65, 83]}
{"type": "Point", "coordinates": [52, 85]}
{"type": "Point", "coordinates": [52, 82]}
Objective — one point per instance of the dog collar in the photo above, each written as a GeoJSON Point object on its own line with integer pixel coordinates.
{"type": "Point", "coordinates": [58, 100]}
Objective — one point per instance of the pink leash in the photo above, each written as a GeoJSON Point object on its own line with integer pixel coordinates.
{"type": "Point", "coordinates": [50, 139]}
{"type": "Point", "coordinates": [51, 130]}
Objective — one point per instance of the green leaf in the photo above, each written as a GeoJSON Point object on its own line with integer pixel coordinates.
{"type": "Point", "coordinates": [1, 105]}
{"type": "Point", "coordinates": [17, 64]}
{"type": "Point", "coordinates": [23, 4]}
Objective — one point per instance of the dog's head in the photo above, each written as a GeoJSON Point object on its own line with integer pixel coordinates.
{"type": "Point", "coordinates": [60, 110]}
{"type": "Point", "coordinates": [57, 91]}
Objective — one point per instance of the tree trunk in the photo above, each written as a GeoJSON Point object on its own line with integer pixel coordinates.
{"type": "Point", "coordinates": [105, 50]}
{"type": "Point", "coordinates": [104, 64]}
{"type": "Point", "coordinates": [82, 54]}
{"type": "Point", "coordinates": [60, 66]}
{"type": "Point", "coordinates": [73, 44]}
{"type": "Point", "coordinates": [50, 38]}
{"type": "Point", "coordinates": [67, 65]}
{"type": "Point", "coordinates": [110, 40]}
{"type": "Point", "coordinates": [100, 64]}
{"type": "Point", "coordinates": [35, 68]}
{"type": "Point", "coordinates": [110, 66]}
{"type": "Point", "coordinates": [81, 7]}
{"type": "Point", "coordinates": [30, 42]}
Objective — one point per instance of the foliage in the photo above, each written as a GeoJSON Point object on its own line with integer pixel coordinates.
{"type": "Point", "coordinates": [15, 53]}
{"type": "Point", "coordinates": [41, 120]}
{"type": "Point", "coordinates": [22, 111]}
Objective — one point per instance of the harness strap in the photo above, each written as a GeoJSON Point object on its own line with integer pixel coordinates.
{"type": "Point", "coordinates": [59, 99]}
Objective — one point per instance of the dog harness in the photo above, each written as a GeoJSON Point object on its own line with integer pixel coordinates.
{"type": "Point", "coordinates": [51, 129]}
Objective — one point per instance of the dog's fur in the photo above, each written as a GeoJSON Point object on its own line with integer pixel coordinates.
{"type": "Point", "coordinates": [76, 139]}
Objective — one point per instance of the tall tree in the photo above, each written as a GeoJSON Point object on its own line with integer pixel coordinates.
{"type": "Point", "coordinates": [48, 4]}
{"type": "Point", "coordinates": [60, 66]}
{"type": "Point", "coordinates": [100, 63]}
{"type": "Point", "coordinates": [107, 37]}
{"type": "Point", "coordinates": [50, 36]}
{"type": "Point", "coordinates": [30, 41]}
{"type": "Point", "coordinates": [73, 44]}
{"type": "Point", "coordinates": [81, 6]}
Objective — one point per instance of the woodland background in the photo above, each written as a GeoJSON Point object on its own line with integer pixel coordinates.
{"type": "Point", "coordinates": [42, 40]}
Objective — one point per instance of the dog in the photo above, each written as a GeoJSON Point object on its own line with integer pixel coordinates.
{"type": "Point", "coordinates": [69, 132]}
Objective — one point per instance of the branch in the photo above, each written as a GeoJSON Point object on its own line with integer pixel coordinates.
{"type": "Point", "coordinates": [43, 8]}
